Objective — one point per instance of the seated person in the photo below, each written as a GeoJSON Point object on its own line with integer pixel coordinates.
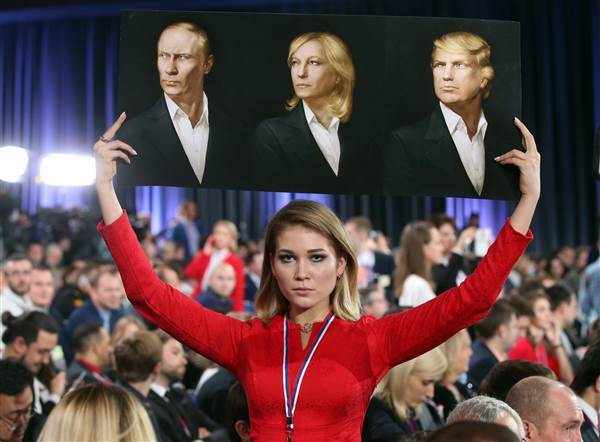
{"type": "Point", "coordinates": [549, 410]}
{"type": "Point", "coordinates": [238, 418]}
{"type": "Point", "coordinates": [507, 373]}
{"type": "Point", "coordinates": [93, 354]}
{"type": "Point", "coordinates": [221, 285]}
{"type": "Point", "coordinates": [586, 386]}
{"type": "Point", "coordinates": [402, 403]}
{"type": "Point", "coordinates": [16, 400]}
{"type": "Point", "coordinates": [487, 409]}
{"type": "Point", "coordinates": [471, 431]}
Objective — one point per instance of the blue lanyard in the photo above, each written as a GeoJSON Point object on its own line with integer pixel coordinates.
{"type": "Point", "coordinates": [290, 401]}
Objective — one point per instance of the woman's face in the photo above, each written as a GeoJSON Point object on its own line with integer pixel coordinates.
{"type": "Point", "coordinates": [418, 389]}
{"type": "Point", "coordinates": [222, 237]}
{"type": "Point", "coordinates": [312, 75]}
{"type": "Point", "coordinates": [557, 268]}
{"type": "Point", "coordinates": [305, 267]}
{"type": "Point", "coordinates": [542, 315]}
{"type": "Point", "coordinates": [434, 249]}
{"type": "Point", "coordinates": [463, 355]}
{"type": "Point", "coordinates": [448, 237]}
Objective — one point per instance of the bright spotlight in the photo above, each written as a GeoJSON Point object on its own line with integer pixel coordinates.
{"type": "Point", "coordinates": [61, 169]}
{"type": "Point", "coordinates": [13, 163]}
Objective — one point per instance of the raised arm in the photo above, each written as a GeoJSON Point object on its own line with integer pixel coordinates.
{"type": "Point", "coordinates": [209, 333]}
{"type": "Point", "coordinates": [397, 338]}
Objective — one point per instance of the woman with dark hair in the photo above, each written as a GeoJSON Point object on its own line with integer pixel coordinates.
{"type": "Point", "coordinates": [420, 249]}
{"type": "Point", "coordinates": [310, 362]}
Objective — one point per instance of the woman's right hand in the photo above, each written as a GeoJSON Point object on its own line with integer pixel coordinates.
{"type": "Point", "coordinates": [107, 151]}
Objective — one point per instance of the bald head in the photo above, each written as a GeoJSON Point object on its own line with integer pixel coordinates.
{"type": "Point", "coordinates": [549, 409]}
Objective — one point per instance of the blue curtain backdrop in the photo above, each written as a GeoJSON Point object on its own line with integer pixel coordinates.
{"type": "Point", "coordinates": [58, 88]}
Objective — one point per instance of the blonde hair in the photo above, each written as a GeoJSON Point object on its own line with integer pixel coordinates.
{"type": "Point", "coordinates": [391, 388]}
{"type": "Point", "coordinates": [472, 44]}
{"type": "Point", "coordinates": [233, 232]}
{"type": "Point", "coordinates": [203, 40]}
{"type": "Point", "coordinates": [344, 299]}
{"type": "Point", "coordinates": [451, 347]}
{"type": "Point", "coordinates": [98, 413]}
{"type": "Point", "coordinates": [339, 57]}
{"type": "Point", "coordinates": [118, 333]}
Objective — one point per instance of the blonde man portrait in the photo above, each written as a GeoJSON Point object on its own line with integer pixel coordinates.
{"type": "Point", "coordinates": [451, 152]}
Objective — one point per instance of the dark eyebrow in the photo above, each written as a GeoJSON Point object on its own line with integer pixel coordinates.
{"type": "Point", "coordinates": [316, 250]}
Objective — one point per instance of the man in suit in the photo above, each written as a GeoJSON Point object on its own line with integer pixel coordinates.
{"type": "Point", "coordinates": [181, 141]}
{"type": "Point", "coordinates": [452, 151]}
{"type": "Point", "coordinates": [254, 263]}
{"type": "Point", "coordinates": [586, 386]}
{"type": "Point", "coordinates": [176, 414]}
{"type": "Point", "coordinates": [92, 355]}
{"type": "Point", "coordinates": [103, 307]}
{"type": "Point", "coordinates": [497, 334]}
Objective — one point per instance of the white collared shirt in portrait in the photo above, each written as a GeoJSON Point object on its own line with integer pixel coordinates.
{"type": "Point", "coordinates": [471, 151]}
{"type": "Point", "coordinates": [193, 139]}
{"type": "Point", "coordinates": [326, 137]}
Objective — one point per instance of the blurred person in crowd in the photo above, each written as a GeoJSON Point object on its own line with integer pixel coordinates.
{"type": "Point", "coordinates": [221, 286]}
{"type": "Point", "coordinates": [254, 265]}
{"type": "Point", "coordinates": [177, 416]}
{"type": "Point", "coordinates": [542, 343]}
{"type": "Point", "coordinates": [75, 288]}
{"type": "Point", "coordinates": [16, 400]}
{"type": "Point", "coordinates": [586, 385]}
{"type": "Point", "coordinates": [497, 334]}
{"type": "Point", "coordinates": [150, 249]}
{"type": "Point", "coordinates": [554, 271]}
{"type": "Point", "coordinates": [30, 339]}
{"type": "Point", "coordinates": [451, 270]}
{"type": "Point", "coordinates": [238, 418]}
{"type": "Point", "coordinates": [372, 262]}
{"type": "Point", "coordinates": [169, 275]}
{"type": "Point", "coordinates": [54, 261]}
{"type": "Point", "coordinates": [420, 249]}
{"type": "Point", "coordinates": [103, 307]}
{"type": "Point", "coordinates": [93, 353]}
{"type": "Point", "coordinates": [137, 362]}
{"type": "Point", "coordinates": [98, 413]}
{"type": "Point", "coordinates": [589, 290]}
{"type": "Point", "coordinates": [35, 253]}
{"type": "Point", "coordinates": [219, 248]}
{"type": "Point", "coordinates": [507, 373]}
{"type": "Point", "coordinates": [523, 313]}
{"type": "Point", "coordinates": [41, 293]}
{"type": "Point", "coordinates": [580, 262]}
{"type": "Point", "coordinates": [522, 271]}
{"type": "Point", "coordinates": [125, 328]}
{"type": "Point", "coordinates": [567, 255]}
{"type": "Point", "coordinates": [488, 409]}
{"type": "Point", "coordinates": [402, 403]}
{"type": "Point", "coordinates": [471, 431]}
{"type": "Point", "coordinates": [211, 392]}
{"type": "Point", "coordinates": [188, 229]}
{"type": "Point", "coordinates": [170, 251]}
{"type": "Point", "coordinates": [373, 301]}
{"type": "Point", "coordinates": [594, 332]}
{"type": "Point", "coordinates": [14, 299]}
{"type": "Point", "coordinates": [549, 410]}
{"type": "Point", "coordinates": [563, 303]}
{"type": "Point", "coordinates": [453, 388]}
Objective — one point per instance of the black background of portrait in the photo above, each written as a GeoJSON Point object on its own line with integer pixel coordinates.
{"type": "Point", "coordinates": [250, 79]}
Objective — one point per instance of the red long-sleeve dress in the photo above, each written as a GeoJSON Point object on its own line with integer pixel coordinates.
{"type": "Point", "coordinates": [351, 359]}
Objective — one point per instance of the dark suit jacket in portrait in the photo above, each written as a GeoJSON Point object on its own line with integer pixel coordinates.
{"type": "Point", "coordinates": [161, 160]}
{"type": "Point", "coordinates": [286, 157]}
{"type": "Point", "coordinates": [421, 159]}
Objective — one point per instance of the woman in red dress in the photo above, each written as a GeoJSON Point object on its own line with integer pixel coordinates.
{"type": "Point", "coordinates": [310, 362]}
{"type": "Point", "coordinates": [219, 248]}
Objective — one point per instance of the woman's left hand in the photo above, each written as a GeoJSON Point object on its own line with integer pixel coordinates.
{"type": "Point", "coordinates": [528, 163]}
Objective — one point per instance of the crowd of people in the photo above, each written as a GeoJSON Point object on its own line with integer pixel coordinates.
{"type": "Point", "coordinates": [72, 341]}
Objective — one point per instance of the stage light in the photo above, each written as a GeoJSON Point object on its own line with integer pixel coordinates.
{"type": "Point", "coordinates": [13, 163]}
{"type": "Point", "coordinates": [61, 169]}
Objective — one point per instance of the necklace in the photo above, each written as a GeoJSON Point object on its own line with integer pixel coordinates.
{"type": "Point", "coordinates": [306, 328]}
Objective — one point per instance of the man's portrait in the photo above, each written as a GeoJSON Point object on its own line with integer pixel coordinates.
{"type": "Point", "coordinates": [183, 139]}
{"type": "Point", "coordinates": [451, 151]}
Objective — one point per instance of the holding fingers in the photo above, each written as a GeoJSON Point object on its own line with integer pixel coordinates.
{"type": "Point", "coordinates": [107, 150]}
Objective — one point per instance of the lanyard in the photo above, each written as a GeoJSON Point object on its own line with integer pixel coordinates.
{"type": "Point", "coordinates": [290, 401]}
